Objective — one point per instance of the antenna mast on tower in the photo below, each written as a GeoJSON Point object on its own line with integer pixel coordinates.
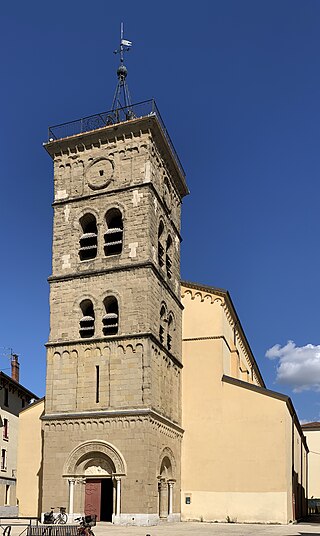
{"type": "Point", "coordinates": [122, 97]}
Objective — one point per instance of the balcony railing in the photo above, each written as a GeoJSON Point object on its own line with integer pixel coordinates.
{"type": "Point", "coordinates": [94, 122]}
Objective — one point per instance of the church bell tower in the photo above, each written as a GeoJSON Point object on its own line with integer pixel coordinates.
{"type": "Point", "coordinates": [112, 421]}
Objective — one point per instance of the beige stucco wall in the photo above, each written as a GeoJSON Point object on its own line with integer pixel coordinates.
{"type": "Point", "coordinates": [29, 460]}
{"type": "Point", "coordinates": [208, 315]}
{"type": "Point", "coordinates": [237, 445]}
{"type": "Point", "coordinates": [313, 440]}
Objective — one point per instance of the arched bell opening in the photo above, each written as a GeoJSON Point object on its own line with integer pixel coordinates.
{"type": "Point", "coordinates": [89, 238]}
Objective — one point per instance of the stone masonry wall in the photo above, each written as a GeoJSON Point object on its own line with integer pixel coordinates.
{"type": "Point", "coordinates": [138, 374]}
{"type": "Point", "coordinates": [142, 441]}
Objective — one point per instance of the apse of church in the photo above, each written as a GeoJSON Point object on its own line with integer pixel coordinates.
{"type": "Point", "coordinates": [112, 421]}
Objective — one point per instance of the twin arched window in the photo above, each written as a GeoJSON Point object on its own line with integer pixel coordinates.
{"type": "Point", "coordinates": [113, 236]}
{"type": "Point", "coordinates": [110, 320]}
{"type": "Point", "coordinates": [166, 327]}
{"type": "Point", "coordinates": [164, 251]}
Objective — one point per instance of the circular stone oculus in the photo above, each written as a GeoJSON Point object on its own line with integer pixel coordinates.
{"type": "Point", "coordinates": [100, 173]}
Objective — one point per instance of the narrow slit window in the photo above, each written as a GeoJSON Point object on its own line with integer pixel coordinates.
{"type": "Point", "coordinates": [169, 332]}
{"type": "Point", "coordinates": [86, 328]}
{"type": "Point", "coordinates": [160, 246]}
{"type": "Point", "coordinates": [111, 318]}
{"type": "Point", "coordinates": [168, 257]}
{"type": "Point", "coordinates": [97, 384]}
{"type": "Point", "coordinates": [5, 429]}
{"type": "Point", "coordinates": [3, 459]}
{"type": "Point", "coordinates": [6, 397]}
{"type": "Point", "coordinates": [7, 495]}
{"type": "Point", "coordinates": [162, 324]}
{"type": "Point", "coordinates": [113, 237]}
{"type": "Point", "coordinates": [89, 238]}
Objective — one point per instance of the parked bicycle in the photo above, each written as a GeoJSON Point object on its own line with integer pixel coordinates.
{"type": "Point", "coordinates": [86, 523]}
{"type": "Point", "coordinates": [50, 518]}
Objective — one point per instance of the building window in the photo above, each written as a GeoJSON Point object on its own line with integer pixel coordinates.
{"type": "Point", "coordinates": [5, 429]}
{"type": "Point", "coordinates": [160, 246]}
{"type": "Point", "coordinates": [6, 397]}
{"type": "Point", "coordinates": [3, 459]}
{"type": "Point", "coordinates": [111, 318]}
{"type": "Point", "coordinates": [113, 237]}
{"type": "Point", "coordinates": [162, 330]}
{"type": "Point", "coordinates": [170, 330]}
{"type": "Point", "coordinates": [87, 321]}
{"type": "Point", "coordinates": [168, 256]}
{"type": "Point", "coordinates": [97, 384]}
{"type": "Point", "coordinates": [23, 402]}
{"type": "Point", "coordinates": [7, 495]}
{"type": "Point", "coordinates": [89, 238]}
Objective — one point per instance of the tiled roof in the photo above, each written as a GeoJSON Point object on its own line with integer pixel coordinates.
{"type": "Point", "coordinates": [315, 424]}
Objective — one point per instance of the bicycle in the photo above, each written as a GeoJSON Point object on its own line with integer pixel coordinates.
{"type": "Point", "coordinates": [60, 519]}
{"type": "Point", "coordinates": [86, 523]}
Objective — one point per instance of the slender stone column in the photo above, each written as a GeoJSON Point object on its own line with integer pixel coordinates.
{"type": "Point", "coordinates": [71, 494]}
{"type": "Point", "coordinates": [118, 503]}
{"type": "Point", "coordinates": [163, 499]}
{"type": "Point", "coordinates": [170, 489]}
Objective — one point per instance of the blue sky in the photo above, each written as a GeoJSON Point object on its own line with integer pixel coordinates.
{"type": "Point", "coordinates": [238, 86]}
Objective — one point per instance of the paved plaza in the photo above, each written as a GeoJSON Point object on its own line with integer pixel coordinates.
{"type": "Point", "coordinates": [208, 529]}
{"type": "Point", "coordinates": [191, 529]}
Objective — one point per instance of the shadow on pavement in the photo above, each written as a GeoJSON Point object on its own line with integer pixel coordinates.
{"type": "Point", "coordinates": [312, 519]}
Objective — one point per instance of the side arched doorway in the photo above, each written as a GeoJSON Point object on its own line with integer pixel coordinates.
{"type": "Point", "coordinates": [94, 471]}
{"type": "Point", "coordinates": [166, 481]}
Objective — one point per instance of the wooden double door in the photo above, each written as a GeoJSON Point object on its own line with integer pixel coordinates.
{"type": "Point", "coordinates": [99, 498]}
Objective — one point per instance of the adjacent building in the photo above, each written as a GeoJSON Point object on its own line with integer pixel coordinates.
{"type": "Point", "coordinates": [29, 459]}
{"type": "Point", "coordinates": [13, 397]}
{"type": "Point", "coordinates": [312, 432]}
{"type": "Point", "coordinates": [244, 455]}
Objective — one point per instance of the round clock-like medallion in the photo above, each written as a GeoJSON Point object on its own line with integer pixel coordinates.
{"type": "Point", "coordinates": [100, 173]}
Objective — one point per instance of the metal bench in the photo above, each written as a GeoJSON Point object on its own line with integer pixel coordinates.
{"type": "Point", "coordinates": [52, 530]}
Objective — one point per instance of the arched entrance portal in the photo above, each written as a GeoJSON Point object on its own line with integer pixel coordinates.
{"type": "Point", "coordinates": [94, 470]}
{"type": "Point", "coordinates": [166, 480]}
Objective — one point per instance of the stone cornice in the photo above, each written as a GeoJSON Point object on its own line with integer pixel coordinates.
{"type": "Point", "coordinates": [147, 124]}
{"type": "Point", "coordinates": [112, 338]}
{"type": "Point", "coordinates": [210, 338]}
{"type": "Point", "coordinates": [125, 268]}
{"type": "Point", "coordinates": [114, 414]}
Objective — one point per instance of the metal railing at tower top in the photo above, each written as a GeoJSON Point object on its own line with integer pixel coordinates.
{"type": "Point", "coordinates": [120, 115]}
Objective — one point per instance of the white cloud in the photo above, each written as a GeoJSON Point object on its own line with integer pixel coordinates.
{"type": "Point", "coordinates": [298, 366]}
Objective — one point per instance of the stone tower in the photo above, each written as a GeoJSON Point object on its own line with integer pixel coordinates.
{"type": "Point", "coordinates": [112, 421]}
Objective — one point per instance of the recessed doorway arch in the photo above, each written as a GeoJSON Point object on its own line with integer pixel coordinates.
{"type": "Point", "coordinates": [166, 480]}
{"type": "Point", "coordinates": [98, 467]}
